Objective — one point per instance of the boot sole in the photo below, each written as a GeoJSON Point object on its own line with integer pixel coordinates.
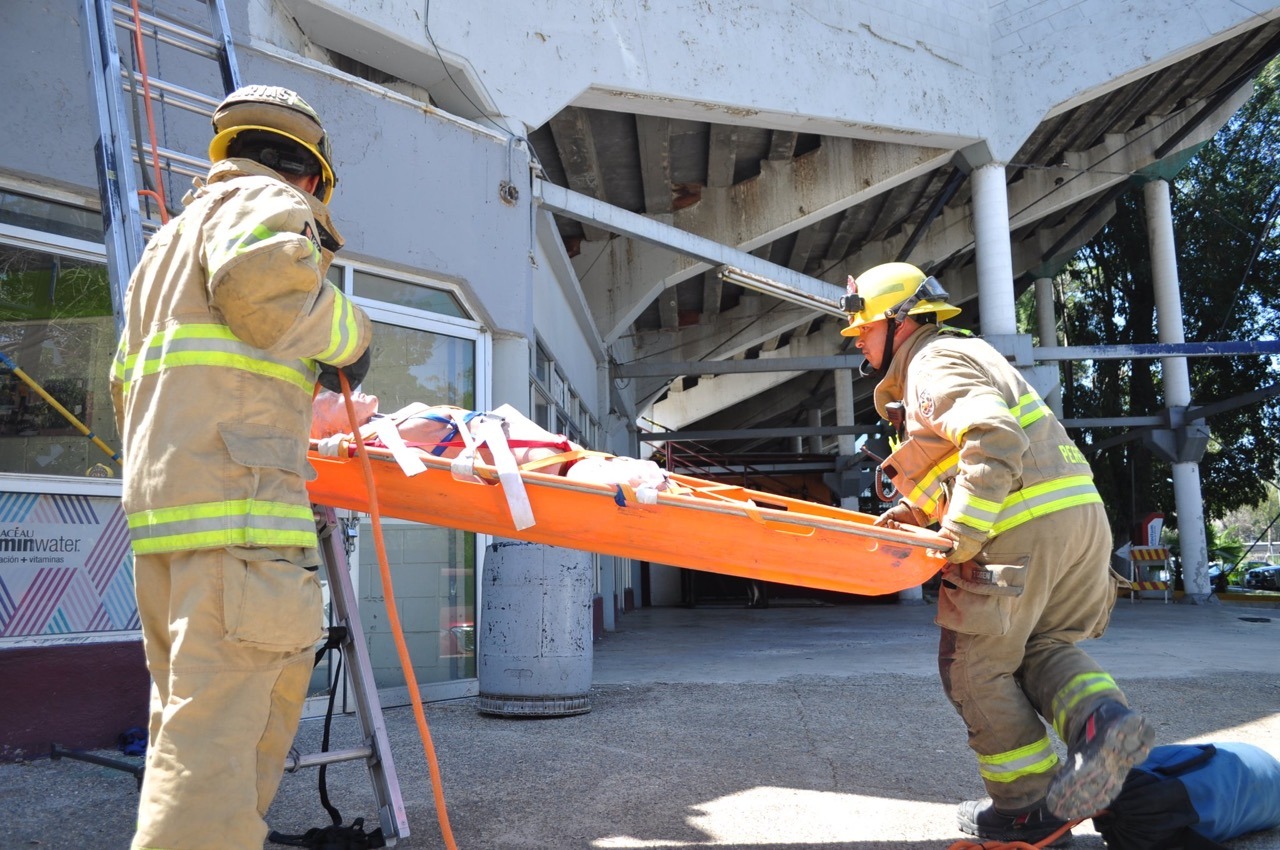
{"type": "Point", "coordinates": [1088, 785]}
{"type": "Point", "coordinates": [968, 827]}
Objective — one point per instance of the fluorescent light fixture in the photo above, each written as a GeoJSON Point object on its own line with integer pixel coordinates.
{"type": "Point", "coordinates": [758, 283]}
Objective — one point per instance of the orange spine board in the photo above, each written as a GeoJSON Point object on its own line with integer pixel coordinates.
{"type": "Point", "coordinates": [717, 528]}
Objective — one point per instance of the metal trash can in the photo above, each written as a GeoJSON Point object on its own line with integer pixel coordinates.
{"type": "Point", "coordinates": [534, 643]}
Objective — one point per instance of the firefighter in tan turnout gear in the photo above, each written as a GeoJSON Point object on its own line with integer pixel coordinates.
{"type": "Point", "coordinates": [981, 455]}
{"type": "Point", "coordinates": [228, 321]}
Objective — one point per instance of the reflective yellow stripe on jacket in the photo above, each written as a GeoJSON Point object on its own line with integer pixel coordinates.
{"type": "Point", "coordinates": [926, 493]}
{"type": "Point", "coordinates": [1026, 504]}
{"type": "Point", "coordinates": [994, 518]}
{"type": "Point", "coordinates": [241, 243]}
{"type": "Point", "coordinates": [1029, 409]}
{"type": "Point", "coordinates": [216, 524]}
{"type": "Point", "coordinates": [345, 332]}
{"type": "Point", "coordinates": [1015, 764]}
{"type": "Point", "coordinates": [214, 345]}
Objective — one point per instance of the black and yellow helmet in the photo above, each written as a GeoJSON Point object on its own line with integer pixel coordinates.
{"type": "Point", "coordinates": [279, 111]}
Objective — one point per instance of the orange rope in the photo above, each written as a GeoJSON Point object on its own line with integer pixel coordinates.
{"type": "Point", "coordinates": [394, 619]}
{"type": "Point", "coordinates": [151, 121]}
{"type": "Point", "coordinates": [966, 844]}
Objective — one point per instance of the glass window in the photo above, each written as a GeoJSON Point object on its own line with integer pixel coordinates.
{"type": "Point", "coordinates": [433, 568]}
{"type": "Point", "coordinates": [50, 217]}
{"type": "Point", "coordinates": [557, 406]}
{"type": "Point", "coordinates": [406, 294]}
{"type": "Point", "coordinates": [542, 366]}
{"type": "Point", "coordinates": [56, 324]}
{"type": "Point", "coordinates": [411, 365]}
{"type": "Point", "coordinates": [434, 576]}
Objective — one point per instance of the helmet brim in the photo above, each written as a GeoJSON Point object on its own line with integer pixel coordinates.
{"type": "Point", "coordinates": [221, 143]}
{"type": "Point", "coordinates": [943, 309]}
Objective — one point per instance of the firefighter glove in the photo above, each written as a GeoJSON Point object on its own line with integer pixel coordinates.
{"type": "Point", "coordinates": [356, 371]}
{"type": "Point", "coordinates": [967, 543]}
{"type": "Point", "coordinates": [902, 513]}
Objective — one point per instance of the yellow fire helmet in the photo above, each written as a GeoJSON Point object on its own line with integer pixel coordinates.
{"type": "Point", "coordinates": [891, 291]}
{"type": "Point", "coordinates": [277, 110]}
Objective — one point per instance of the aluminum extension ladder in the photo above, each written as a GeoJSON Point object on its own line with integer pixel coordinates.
{"type": "Point", "coordinates": [375, 750]}
{"type": "Point", "coordinates": [133, 101]}
{"type": "Point", "coordinates": [139, 179]}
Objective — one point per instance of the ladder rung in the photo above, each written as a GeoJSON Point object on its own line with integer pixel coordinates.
{"type": "Point", "coordinates": [191, 166]}
{"type": "Point", "coordinates": [169, 32]}
{"type": "Point", "coordinates": [295, 761]}
{"type": "Point", "coordinates": [179, 96]}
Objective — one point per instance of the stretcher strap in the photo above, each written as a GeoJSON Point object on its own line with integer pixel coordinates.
{"type": "Point", "coordinates": [491, 431]}
{"type": "Point", "coordinates": [565, 457]}
{"type": "Point", "coordinates": [409, 460]}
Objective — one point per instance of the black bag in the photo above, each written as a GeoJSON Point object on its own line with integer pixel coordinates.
{"type": "Point", "coordinates": [1193, 796]}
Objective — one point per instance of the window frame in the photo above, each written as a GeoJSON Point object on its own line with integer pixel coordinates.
{"type": "Point", "coordinates": [71, 485]}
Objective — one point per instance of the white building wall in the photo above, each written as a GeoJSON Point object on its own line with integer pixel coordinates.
{"type": "Point", "coordinates": [958, 70]}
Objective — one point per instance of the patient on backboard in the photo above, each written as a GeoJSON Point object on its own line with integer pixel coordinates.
{"type": "Point", "coordinates": [447, 431]}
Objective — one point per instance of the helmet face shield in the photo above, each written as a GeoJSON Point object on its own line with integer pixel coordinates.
{"type": "Point", "coordinates": [928, 290]}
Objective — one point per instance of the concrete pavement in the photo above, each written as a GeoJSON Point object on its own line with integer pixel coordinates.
{"type": "Point", "coordinates": [791, 728]}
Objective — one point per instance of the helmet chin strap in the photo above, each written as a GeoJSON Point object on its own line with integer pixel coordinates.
{"type": "Point", "coordinates": [866, 370]}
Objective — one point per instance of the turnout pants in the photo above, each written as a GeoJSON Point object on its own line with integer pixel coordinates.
{"type": "Point", "coordinates": [1006, 660]}
{"type": "Point", "coordinates": [229, 636]}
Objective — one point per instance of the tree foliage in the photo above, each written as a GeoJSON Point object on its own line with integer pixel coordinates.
{"type": "Point", "coordinates": [1226, 203]}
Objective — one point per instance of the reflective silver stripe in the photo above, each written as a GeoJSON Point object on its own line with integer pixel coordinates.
{"type": "Point", "coordinates": [1026, 504]}
{"type": "Point", "coordinates": [1045, 498]}
{"type": "Point", "coordinates": [1030, 408]}
{"type": "Point", "coordinates": [1030, 760]}
{"type": "Point", "coordinates": [222, 524]}
{"type": "Point", "coordinates": [924, 495]}
{"type": "Point", "coordinates": [1080, 688]}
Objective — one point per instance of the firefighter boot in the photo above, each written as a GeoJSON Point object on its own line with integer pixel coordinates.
{"type": "Point", "coordinates": [1113, 740]}
{"type": "Point", "coordinates": [983, 819]}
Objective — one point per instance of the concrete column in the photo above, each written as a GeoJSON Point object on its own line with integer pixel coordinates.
{"type": "Point", "coordinates": [511, 360]}
{"type": "Point", "coordinates": [815, 421]}
{"type": "Point", "coordinates": [1164, 277]}
{"type": "Point", "coordinates": [994, 253]}
{"type": "Point", "coordinates": [845, 443]}
{"type": "Point", "coordinates": [1177, 390]}
{"type": "Point", "coordinates": [1047, 325]}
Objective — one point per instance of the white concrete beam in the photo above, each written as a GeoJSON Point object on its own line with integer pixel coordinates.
{"type": "Point", "coordinates": [716, 393]}
{"type": "Point", "coordinates": [786, 197]}
{"type": "Point", "coordinates": [1043, 192]}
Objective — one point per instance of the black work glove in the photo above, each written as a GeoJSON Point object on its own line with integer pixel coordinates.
{"type": "Point", "coordinates": [328, 377]}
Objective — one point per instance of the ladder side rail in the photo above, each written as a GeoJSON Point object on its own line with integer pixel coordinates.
{"type": "Point", "coordinates": [222, 33]}
{"type": "Point", "coordinates": [364, 689]}
{"type": "Point", "coordinates": [117, 185]}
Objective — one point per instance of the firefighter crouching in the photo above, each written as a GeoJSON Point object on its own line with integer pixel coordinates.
{"type": "Point", "coordinates": [229, 322]}
{"type": "Point", "coordinates": [980, 454]}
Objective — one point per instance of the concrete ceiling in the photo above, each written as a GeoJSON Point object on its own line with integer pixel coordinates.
{"type": "Point", "coordinates": [829, 207]}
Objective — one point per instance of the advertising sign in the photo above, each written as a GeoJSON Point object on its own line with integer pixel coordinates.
{"type": "Point", "coordinates": [66, 567]}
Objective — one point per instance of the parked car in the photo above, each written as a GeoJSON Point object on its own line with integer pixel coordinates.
{"type": "Point", "coordinates": [1263, 577]}
{"type": "Point", "coordinates": [1221, 580]}
{"type": "Point", "coordinates": [1217, 578]}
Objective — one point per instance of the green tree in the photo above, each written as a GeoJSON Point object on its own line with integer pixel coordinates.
{"type": "Point", "coordinates": [1226, 205]}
